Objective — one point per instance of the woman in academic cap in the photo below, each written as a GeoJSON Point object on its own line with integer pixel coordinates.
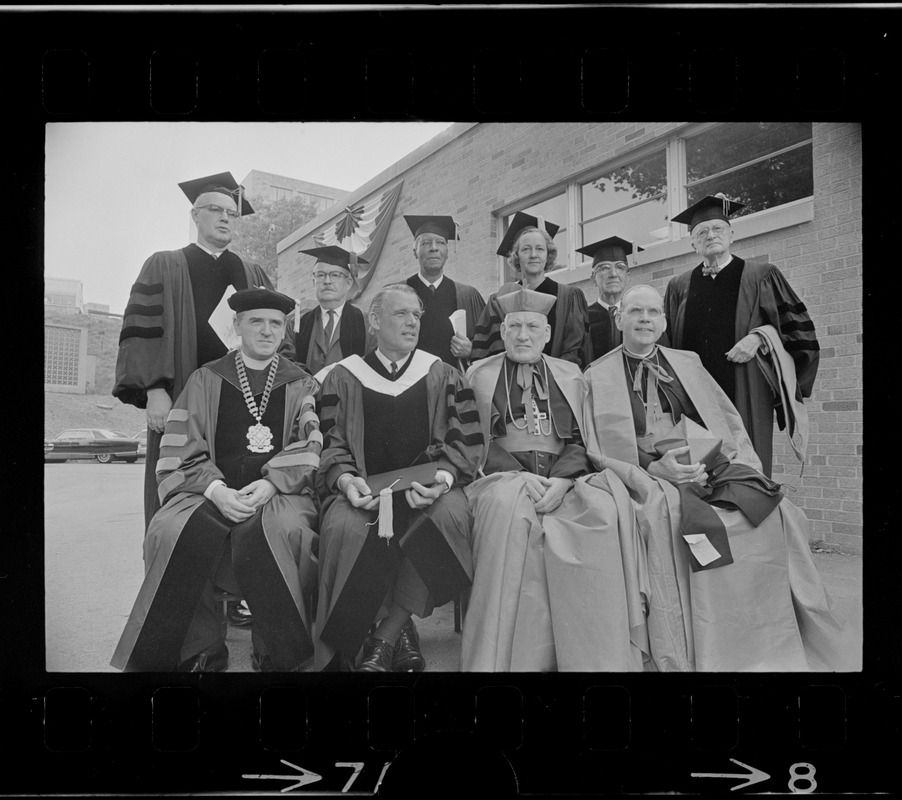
{"type": "Point", "coordinates": [531, 252]}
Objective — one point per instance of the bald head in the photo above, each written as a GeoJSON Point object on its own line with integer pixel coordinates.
{"type": "Point", "coordinates": [641, 318]}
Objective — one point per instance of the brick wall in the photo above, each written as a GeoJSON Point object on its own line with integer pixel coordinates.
{"type": "Point", "coordinates": [491, 166]}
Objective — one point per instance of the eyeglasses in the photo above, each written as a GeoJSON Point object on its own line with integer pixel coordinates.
{"type": "Point", "coordinates": [637, 311]}
{"type": "Point", "coordinates": [334, 277]}
{"type": "Point", "coordinates": [217, 211]}
{"type": "Point", "coordinates": [608, 268]}
{"type": "Point", "coordinates": [702, 233]}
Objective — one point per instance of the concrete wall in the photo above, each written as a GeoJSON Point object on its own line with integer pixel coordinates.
{"type": "Point", "coordinates": [481, 172]}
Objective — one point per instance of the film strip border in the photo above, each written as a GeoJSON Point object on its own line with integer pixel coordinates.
{"type": "Point", "coordinates": [440, 63]}
{"type": "Point", "coordinates": [397, 83]}
{"type": "Point", "coordinates": [538, 736]}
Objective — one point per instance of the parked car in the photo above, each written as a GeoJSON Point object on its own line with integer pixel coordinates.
{"type": "Point", "coordinates": [141, 436]}
{"type": "Point", "coordinates": [100, 443]}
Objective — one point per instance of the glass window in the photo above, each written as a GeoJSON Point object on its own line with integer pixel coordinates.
{"type": "Point", "coordinates": [554, 209]}
{"type": "Point", "coordinates": [761, 164]}
{"type": "Point", "coordinates": [629, 201]}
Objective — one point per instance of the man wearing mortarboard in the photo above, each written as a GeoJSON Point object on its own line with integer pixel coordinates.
{"type": "Point", "coordinates": [166, 333]}
{"type": "Point", "coordinates": [335, 329]}
{"type": "Point", "coordinates": [610, 268]}
{"type": "Point", "coordinates": [730, 580]}
{"type": "Point", "coordinates": [236, 480]}
{"type": "Point", "coordinates": [555, 558]}
{"type": "Point", "coordinates": [750, 329]}
{"type": "Point", "coordinates": [442, 296]}
{"type": "Point", "coordinates": [531, 253]}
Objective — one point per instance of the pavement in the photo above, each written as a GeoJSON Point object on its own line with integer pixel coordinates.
{"type": "Point", "coordinates": [93, 533]}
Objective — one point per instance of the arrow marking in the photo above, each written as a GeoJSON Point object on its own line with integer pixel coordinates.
{"type": "Point", "coordinates": [306, 777]}
{"type": "Point", "coordinates": [753, 776]}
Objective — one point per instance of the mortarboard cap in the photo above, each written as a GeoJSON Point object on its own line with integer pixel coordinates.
{"type": "Point", "coordinates": [611, 249]}
{"type": "Point", "coordinates": [443, 226]}
{"type": "Point", "coordinates": [337, 257]}
{"type": "Point", "coordinates": [711, 207]}
{"type": "Point", "coordinates": [222, 182]}
{"type": "Point", "coordinates": [525, 300]}
{"type": "Point", "coordinates": [248, 299]}
{"type": "Point", "coordinates": [518, 223]}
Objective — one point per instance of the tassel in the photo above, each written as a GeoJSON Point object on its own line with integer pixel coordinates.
{"type": "Point", "coordinates": [297, 315]}
{"type": "Point", "coordinates": [386, 515]}
{"type": "Point", "coordinates": [540, 223]}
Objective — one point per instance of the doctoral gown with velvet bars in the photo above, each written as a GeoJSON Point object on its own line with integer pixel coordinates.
{"type": "Point", "coordinates": [158, 343]}
{"type": "Point", "coordinates": [360, 573]}
{"type": "Point", "coordinates": [768, 611]}
{"type": "Point", "coordinates": [187, 466]}
{"type": "Point", "coordinates": [765, 298]}
{"type": "Point", "coordinates": [558, 591]}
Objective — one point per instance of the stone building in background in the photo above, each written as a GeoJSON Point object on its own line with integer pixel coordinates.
{"type": "Point", "coordinates": [270, 188]}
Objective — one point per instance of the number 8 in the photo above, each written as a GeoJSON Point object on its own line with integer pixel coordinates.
{"type": "Point", "coordinates": [807, 776]}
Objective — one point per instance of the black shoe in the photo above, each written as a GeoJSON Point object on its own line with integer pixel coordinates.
{"type": "Point", "coordinates": [240, 615]}
{"type": "Point", "coordinates": [408, 657]}
{"type": "Point", "coordinates": [213, 659]}
{"type": "Point", "coordinates": [377, 656]}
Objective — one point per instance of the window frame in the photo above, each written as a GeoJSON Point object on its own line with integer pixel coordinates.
{"type": "Point", "coordinates": [577, 268]}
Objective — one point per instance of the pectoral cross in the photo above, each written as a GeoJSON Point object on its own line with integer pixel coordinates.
{"type": "Point", "coordinates": [535, 417]}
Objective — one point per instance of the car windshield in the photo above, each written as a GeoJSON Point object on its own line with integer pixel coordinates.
{"type": "Point", "coordinates": [110, 434]}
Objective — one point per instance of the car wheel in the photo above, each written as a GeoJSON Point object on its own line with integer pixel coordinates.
{"type": "Point", "coordinates": [104, 458]}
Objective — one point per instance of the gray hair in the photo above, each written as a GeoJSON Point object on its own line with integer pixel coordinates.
{"type": "Point", "coordinates": [379, 299]}
{"type": "Point", "coordinates": [514, 260]}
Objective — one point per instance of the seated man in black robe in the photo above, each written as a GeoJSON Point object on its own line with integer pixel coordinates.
{"type": "Point", "coordinates": [397, 406]}
{"type": "Point", "coordinates": [236, 482]}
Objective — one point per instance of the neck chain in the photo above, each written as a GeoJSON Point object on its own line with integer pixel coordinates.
{"type": "Point", "coordinates": [530, 406]}
{"type": "Point", "coordinates": [259, 436]}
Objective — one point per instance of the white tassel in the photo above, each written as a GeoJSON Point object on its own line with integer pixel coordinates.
{"type": "Point", "coordinates": [386, 514]}
{"type": "Point", "coordinates": [297, 315]}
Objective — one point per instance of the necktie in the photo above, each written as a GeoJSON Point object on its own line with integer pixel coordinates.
{"type": "Point", "coordinates": [615, 333]}
{"type": "Point", "coordinates": [709, 271]}
{"type": "Point", "coordinates": [431, 288]}
{"type": "Point", "coordinates": [330, 327]}
{"type": "Point", "coordinates": [394, 370]}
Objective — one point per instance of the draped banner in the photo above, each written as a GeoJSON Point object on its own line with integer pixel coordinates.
{"type": "Point", "coordinates": [362, 230]}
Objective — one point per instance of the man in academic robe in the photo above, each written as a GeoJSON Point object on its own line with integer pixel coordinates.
{"type": "Point", "coordinates": [334, 329]}
{"type": "Point", "coordinates": [556, 558]}
{"type": "Point", "coordinates": [733, 586]}
{"type": "Point", "coordinates": [440, 295]}
{"type": "Point", "coordinates": [529, 248]}
{"type": "Point", "coordinates": [236, 480]}
{"type": "Point", "coordinates": [715, 309]}
{"type": "Point", "coordinates": [166, 333]}
{"type": "Point", "coordinates": [386, 556]}
{"type": "Point", "coordinates": [609, 273]}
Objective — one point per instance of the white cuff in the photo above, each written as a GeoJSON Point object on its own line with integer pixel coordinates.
{"type": "Point", "coordinates": [209, 490]}
{"type": "Point", "coordinates": [447, 477]}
